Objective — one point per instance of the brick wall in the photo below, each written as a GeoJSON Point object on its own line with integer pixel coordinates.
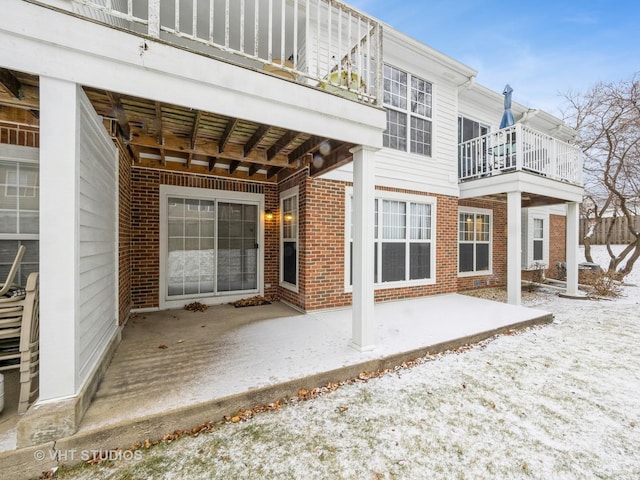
{"type": "Point", "coordinates": [498, 276]}
{"type": "Point", "coordinates": [124, 239]}
{"type": "Point", "coordinates": [300, 179]}
{"type": "Point", "coordinates": [557, 243]}
{"type": "Point", "coordinates": [323, 248]}
{"type": "Point", "coordinates": [324, 245]}
{"type": "Point", "coordinates": [145, 227]}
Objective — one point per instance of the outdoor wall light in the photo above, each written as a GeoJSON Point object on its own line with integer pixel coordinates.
{"type": "Point", "coordinates": [268, 215]}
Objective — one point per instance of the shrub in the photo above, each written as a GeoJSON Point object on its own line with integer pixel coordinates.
{"type": "Point", "coordinates": [603, 283]}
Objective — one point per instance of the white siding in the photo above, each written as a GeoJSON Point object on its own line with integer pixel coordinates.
{"type": "Point", "coordinates": [97, 230]}
{"type": "Point", "coordinates": [434, 174]}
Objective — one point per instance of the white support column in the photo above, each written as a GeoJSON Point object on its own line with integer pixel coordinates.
{"type": "Point", "coordinates": [59, 119]}
{"type": "Point", "coordinates": [363, 321]}
{"type": "Point", "coordinates": [514, 247]}
{"type": "Point", "coordinates": [572, 249]}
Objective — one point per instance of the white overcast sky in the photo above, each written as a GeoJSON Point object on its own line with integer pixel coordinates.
{"type": "Point", "coordinates": [542, 49]}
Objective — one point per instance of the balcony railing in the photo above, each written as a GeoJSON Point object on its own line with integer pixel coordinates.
{"type": "Point", "coordinates": [519, 148]}
{"type": "Point", "coordinates": [323, 43]}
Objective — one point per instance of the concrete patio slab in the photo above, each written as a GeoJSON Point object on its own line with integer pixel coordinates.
{"type": "Point", "coordinates": [175, 369]}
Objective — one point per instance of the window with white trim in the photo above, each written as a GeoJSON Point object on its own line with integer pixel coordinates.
{"type": "Point", "coordinates": [535, 238]}
{"type": "Point", "coordinates": [474, 241]}
{"type": "Point", "coordinates": [289, 240]}
{"type": "Point", "coordinates": [19, 216]}
{"type": "Point", "coordinates": [404, 249]}
{"type": "Point", "coordinates": [408, 101]}
{"type": "Point", "coordinates": [538, 240]}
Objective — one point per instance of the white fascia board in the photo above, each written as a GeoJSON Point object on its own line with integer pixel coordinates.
{"type": "Point", "coordinates": [522, 182]}
{"type": "Point", "coordinates": [399, 45]}
{"type": "Point", "coordinates": [77, 50]}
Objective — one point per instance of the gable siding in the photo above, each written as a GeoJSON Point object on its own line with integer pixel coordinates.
{"type": "Point", "coordinates": [97, 229]}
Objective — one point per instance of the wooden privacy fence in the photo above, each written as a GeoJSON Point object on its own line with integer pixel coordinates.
{"type": "Point", "coordinates": [620, 233]}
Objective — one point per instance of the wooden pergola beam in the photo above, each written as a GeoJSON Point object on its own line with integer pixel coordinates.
{"type": "Point", "coordinates": [212, 163]}
{"type": "Point", "coordinates": [11, 83]}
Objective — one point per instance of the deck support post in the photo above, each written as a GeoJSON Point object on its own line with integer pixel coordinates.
{"type": "Point", "coordinates": [572, 249]}
{"type": "Point", "coordinates": [59, 197]}
{"type": "Point", "coordinates": [363, 320]}
{"type": "Point", "coordinates": [514, 247]}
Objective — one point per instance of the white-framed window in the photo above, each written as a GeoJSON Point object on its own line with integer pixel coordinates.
{"type": "Point", "coordinates": [535, 238]}
{"type": "Point", "coordinates": [538, 240]}
{"type": "Point", "coordinates": [474, 241]}
{"type": "Point", "coordinates": [408, 100]}
{"type": "Point", "coordinates": [209, 244]}
{"type": "Point", "coordinates": [289, 223]}
{"type": "Point", "coordinates": [404, 240]}
{"type": "Point", "coordinates": [19, 209]}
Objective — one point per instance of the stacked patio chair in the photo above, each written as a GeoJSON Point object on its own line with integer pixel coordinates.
{"type": "Point", "coordinates": [19, 331]}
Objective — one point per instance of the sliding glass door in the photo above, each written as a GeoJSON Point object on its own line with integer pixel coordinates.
{"type": "Point", "coordinates": [237, 247]}
{"type": "Point", "coordinates": [211, 247]}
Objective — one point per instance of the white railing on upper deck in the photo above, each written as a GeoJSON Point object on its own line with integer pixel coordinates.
{"type": "Point", "coordinates": [519, 148]}
{"type": "Point", "coordinates": [323, 43]}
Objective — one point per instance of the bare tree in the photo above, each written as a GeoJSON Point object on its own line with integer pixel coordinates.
{"type": "Point", "coordinates": [607, 118]}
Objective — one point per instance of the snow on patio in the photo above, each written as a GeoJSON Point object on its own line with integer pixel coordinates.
{"type": "Point", "coordinates": [559, 401]}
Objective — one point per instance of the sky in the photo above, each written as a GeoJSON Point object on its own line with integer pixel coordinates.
{"type": "Point", "coordinates": [543, 49]}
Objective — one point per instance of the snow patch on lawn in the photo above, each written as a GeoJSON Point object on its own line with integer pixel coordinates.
{"type": "Point", "coordinates": [558, 401]}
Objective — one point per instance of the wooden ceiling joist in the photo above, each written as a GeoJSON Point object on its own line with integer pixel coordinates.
{"type": "Point", "coordinates": [274, 171]}
{"type": "Point", "coordinates": [281, 144]}
{"type": "Point", "coordinates": [194, 129]}
{"type": "Point", "coordinates": [311, 145]}
{"type": "Point", "coordinates": [11, 84]}
{"type": "Point", "coordinates": [231, 126]}
{"type": "Point", "coordinates": [233, 166]}
{"type": "Point", "coordinates": [339, 156]}
{"type": "Point", "coordinates": [255, 139]}
{"type": "Point", "coordinates": [208, 149]}
{"type": "Point", "coordinates": [179, 138]}
{"type": "Point", "coordinates": [158, 123]}
{"type": "Point", "coordinates": [253, 169]}
{"type": "Point", "coordinates": [120, 114]}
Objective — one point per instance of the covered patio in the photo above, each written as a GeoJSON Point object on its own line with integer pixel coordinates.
{"type": "Point", "coordinates": [175, 369]}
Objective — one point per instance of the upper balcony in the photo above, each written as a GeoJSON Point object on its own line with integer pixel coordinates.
{"type": "Point", "coordinates": [319, 43]}
{"type": "Point", "coordinates": [519, 149]}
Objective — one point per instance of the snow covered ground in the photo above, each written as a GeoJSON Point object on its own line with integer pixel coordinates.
{"type": "Point", "coordinates": [559, 401]}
